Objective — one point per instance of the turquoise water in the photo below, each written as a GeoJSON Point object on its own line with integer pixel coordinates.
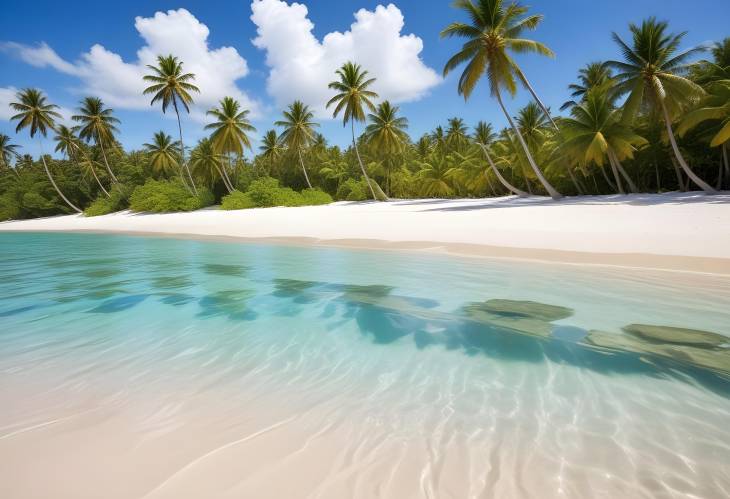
{"type": "Point", "coordinates": [472, 377]}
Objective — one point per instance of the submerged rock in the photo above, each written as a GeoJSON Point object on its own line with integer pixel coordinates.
{"type": "Point", "coordinates": [676, 335]}
{"type": "Point", "coordinates": [225, 270]}
{"type": "Point", "coordinates": [483, 314]}
{"type": "Point", "coordinates": [531, 309]}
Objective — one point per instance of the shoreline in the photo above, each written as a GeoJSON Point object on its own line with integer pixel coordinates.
{"type": "Point", "coordinates": [680, 232]}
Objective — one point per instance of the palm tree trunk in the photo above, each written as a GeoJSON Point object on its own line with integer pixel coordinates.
{"type": "Point", "coordinates": [574, 180]}
{"type": "Point", "coordinates": [53, 182]}
{"type": "Point", "coordinates": [608, 180]}
{"type": "Point", "coordinates": [226, 179]}
{"type": "Point", "coordinates": [678, 172]}
{"type": "Point", "coordinates": [616, 176]}
{"type": "Point", "coordinates": [632, 185]}
{"type": "Point", "coordinates": [537, 99]}
{"type": "Point", "coordinates": [499, 176]}
{"type": "Point", "coordinates": [362, 168]}
{"type": "Point", "coordinates": [103, 154]}
{"type": "Point", "coordinates": [182, 147]}
{"type": "Point", "coordinates": [548, 187]}
{"type": "Point", "coordinates": [687, 170]}
{"type": "Point", "coordinates": [724, 167]}
{"type": "Point", "coordinates": [223, 178]}
{"type": "Point", "coordinates": [93, 172]}
{"type": "Point", "coordinates": [301, 162]}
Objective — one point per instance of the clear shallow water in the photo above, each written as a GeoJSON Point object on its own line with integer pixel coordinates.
{"type": "Point", "coordinates": [155, 366]}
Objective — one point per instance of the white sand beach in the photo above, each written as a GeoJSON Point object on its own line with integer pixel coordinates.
{"type": "Point", "coordinates": [678, 231]}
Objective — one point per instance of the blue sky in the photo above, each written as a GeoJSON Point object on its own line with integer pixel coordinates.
{"type": "Point", "coordinates": [577, 30]}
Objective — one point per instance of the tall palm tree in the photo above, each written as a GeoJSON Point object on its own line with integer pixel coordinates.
{"type": "Point", "coordinates": [651, 74]}
{"type": "Point", "coordinates": [38, 116]}
{"type": "Point", "coordinates": [270, 149]}
{"type": "Point", "coordinates": [457, 135]}
{"type": "Point", "coordinates": [207, 161]}
{"type": "Point", "coordinates": [387, 133]}
{"type": "Point", "coordinates": [170, 85]}
{"type": "Point", "coordinates": [595, 133]}
{"type": "Point", "coordinates": [68, 144]}
{"type": "Point", "coordinates": [298, 130]}
{"type": "Point", "coordinates": [352, 95]}
{"type": "Point", "coordinates": [484, 136]}
{"type": "Point", "coordinates": [7, 150]}
{"type": "Point", "coordinates": [164, 155]}
{"type": "Point", "coordinates": [495, 29]}
{"type": "Point", "coordinates": [594, 74]}
{"type": "Point", "coordinates": [97, 124]}
{"type": "Point", "coordinates": [230, 131]}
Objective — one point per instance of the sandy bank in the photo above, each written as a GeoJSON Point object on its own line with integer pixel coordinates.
{"type": "Point", "coordinates": [678, 231]}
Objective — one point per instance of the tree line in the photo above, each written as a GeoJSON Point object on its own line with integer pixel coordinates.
{"type": "Point", "coordinates": [653, 120]}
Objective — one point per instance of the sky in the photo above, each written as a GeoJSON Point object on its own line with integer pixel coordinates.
{"type": "Point", "coordinates": [267, 53]}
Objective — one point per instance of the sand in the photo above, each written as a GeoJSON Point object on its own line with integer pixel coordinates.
{"type": "Point", "coordinates": [676, 231]}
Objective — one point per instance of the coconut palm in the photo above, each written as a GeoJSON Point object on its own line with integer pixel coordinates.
{"type": "Point", "coordinates": [98, 124]}
{"type": "Point", "coordinates": [8, 150]}
{"type": "Point", "coordinates": [457, 136]}
{"type": "Point", "coordinates": [387, 130]}
{"type": "Point", "coordinates": [68, 144]}
{"type": "Point", "coordinates": [594, 74]}
{"type": "Point", "coordinates": [595, 133]}
{"type": "Point", "coordinates": [483, 137]}
{"type": "Point", "coordinates": [164, 155]}
{"type": "Point", "coordinates": [230, 131]}
{"type": "Point", "coordinates": [298, 131]}
{"type": "Point", "coordinates": [36, 114]}
{"type": "Point", "coordinates": [651, 75]}
{"type": "Point", "coordinates": [435, 177]}
{"type": "Point", "coordinates": [270, 149]}
{"type": "Point", "coordinates": [493, 30]}
{"type": "Point", "coordinates": [352, 96]}
{"type": "Point", "coordinates": [207, 162]}
{"type": "Point", "coordinates": [705, 72]}
{"type": "Point", "coordinates": [715, 109]}
{"type": "Point", "coordinates": [170, 85]}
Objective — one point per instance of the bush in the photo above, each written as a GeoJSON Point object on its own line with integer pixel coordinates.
{"type": "Point", "coordinates": [162, 196]}
{"type": "Point", "coordinates": [352, 190]}
{"type": "Point", "coordinates": [264, 191]}
{"type": "Point", "coordinates": [118, 199]}
{"type": "Point", "coordinates": [237, 200]}
{"type": "Point", "coordinates": [315, 197]}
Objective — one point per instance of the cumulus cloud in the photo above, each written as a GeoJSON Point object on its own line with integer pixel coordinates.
{"type": "Point", "coordinates": [105, 74]}
{"type": "Point", "coordinates": [301, 66]}
{"type": "Point", "coordinates": [7, 95]}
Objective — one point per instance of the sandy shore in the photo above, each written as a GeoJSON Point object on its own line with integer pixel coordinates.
{"type": "Point", "coordinates": [675, 231]}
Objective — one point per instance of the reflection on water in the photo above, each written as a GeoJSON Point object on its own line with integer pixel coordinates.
{"type": "Point", "coordinates": [280, 316]}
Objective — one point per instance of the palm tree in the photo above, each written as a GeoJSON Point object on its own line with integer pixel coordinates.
{"type": "Point", "coordinates": [387, 133]}
{"type": "Point", "coordinates": [651, 75]}
{"type": "Point", "coordinates": [596, 133]}
{"type": "Point", "coordinates": [170, 85]}
{"type": "Point", "coordinates": [270, 149]}
{"type": "Point", "coordinates": [164, 155]}
{"type": "Point", "coordinates": [715, 108]}
{"type": "Point", "coordinates": [68, 144]}
{"type": "Point", "coordinates": [435, 175]}
{"type": "Point", "coordinates": [39, 116]}
{"type": "Point", "coordinates": [97, 124]}
{"type": "Point", "coordinates": [298, 130]}
{"type": "Point", "coordinates": [352, 95]}
{"type": "Point", "coordinates": [493, 30]}
{"type": "Point", "coordinates": [7, 151]}
{"type": "Point", "coordinates": [208, 162]}
{"type": "Point", "coordinates": [456, 134]}
{"type": "Point", "coordinates": [230, 135]}
{"type": "Point", "coordinates": [483, 137]}
{"type": "Point", "coordinates": [594, 74]}
{"type": "Point", "coordinates": [704, 71]}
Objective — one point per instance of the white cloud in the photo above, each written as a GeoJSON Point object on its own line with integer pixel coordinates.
{"type": "Point", "coordinates": [105, 74]}
{"type": "Point", "coordinates": [7, 95]}
{"type": "Point", "coordinates": [301, 66]}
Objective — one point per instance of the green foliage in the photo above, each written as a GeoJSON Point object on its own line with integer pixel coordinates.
{"type": "Point", "coordinates": [237, 200]}
{"type": "Point", "coordinates": [266, 192]}
{"type": "Point", "coordinates": [117, 200]}
{"type": "Point", "coordinates": [162, 196]}
{"type": "Point", "coordinates": [352, 190]}
{"type": "Point", "coordinates": [315, 197]}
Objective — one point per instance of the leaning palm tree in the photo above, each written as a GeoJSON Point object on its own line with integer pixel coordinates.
{"type": "Point", "coordinates": [68, 144]}
{"type": "Point", "coordinates": [170, 85]}
{"type": "Point", "coordinates": [595, 133]}
{"type": "Point", "coordinates": [164, 155]}
{"type": "Point", "coordinates": [7, 150]}
{"type": "Point", "coordinates": [39, 116]}
{"type": "Point", "coordinates": [651, 75]}
{"type": "Point", "coordinates": [483, 137]}
{"type": "Point", "coordinates": [230, 131]}
{"type": "Point", "coordinates": [352, 95]}
{"type": "Point", "coordinates": [208, 163]}
{"type": "Point", "coordinates": [495, 29]}
{"type": "Point", "coordinates": [98, 124]}
{"type": "Point", "coordinates": [270, 149]}
{"type": "Point", "coordinates": [298, 131]}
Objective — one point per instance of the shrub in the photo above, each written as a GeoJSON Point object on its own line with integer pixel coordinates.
{"type": "Point", "coordinates": [352, 190]}
{"type": "Point", "coordinates": [264, 191]}
{"type": "Point", "coordinates": [237, 200]}
{"type": "Point", "coordinates": [315, 197]}
{"type": "Point", "coordinates": [162, 196]}
{"type": "Point", "coordinates": [118, 199]}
